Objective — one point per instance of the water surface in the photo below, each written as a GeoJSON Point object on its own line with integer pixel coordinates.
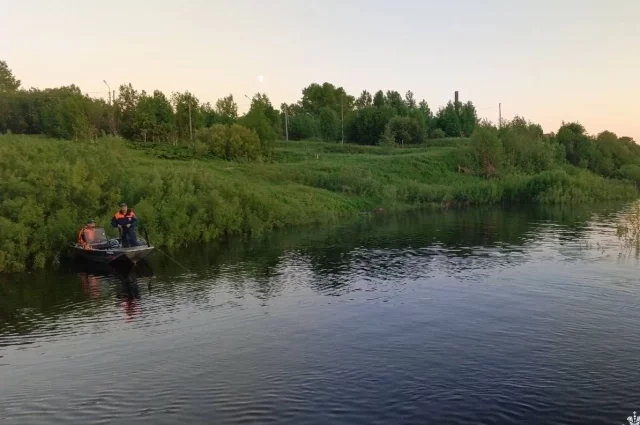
{"type": "Point", "coordinates": [486, 316]}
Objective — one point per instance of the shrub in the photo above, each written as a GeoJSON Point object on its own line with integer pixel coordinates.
{"type": "Point", "coordinates": [487, 149]}
{"type": "Point", "coordinates": [437, 133]}
{"type": "Point", "coordinates": [231, 142]}
{"type": "Point", "coordinates": [329, 124]}
{"type": "Point", "coordinates": [388, 139]}
{"type": "Point", "coordinates": [405, 130]}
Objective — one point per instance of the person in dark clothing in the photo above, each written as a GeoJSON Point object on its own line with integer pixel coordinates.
{"type": "Point", "coordinates": [126, 222]}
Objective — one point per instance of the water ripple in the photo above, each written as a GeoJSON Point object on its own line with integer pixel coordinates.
{"type": "Point", "coordinates": [489, 316]}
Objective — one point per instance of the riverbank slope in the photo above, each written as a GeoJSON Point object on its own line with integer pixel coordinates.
{"type": "Point", "coordinates": [48, 188]}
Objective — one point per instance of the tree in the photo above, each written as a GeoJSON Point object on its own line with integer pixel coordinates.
{"type": "Point", "coordinates": [366, 125]}
{"type": "Point", "coordinates": [231, 142]}
{"type": "Point", "coordinates": [388, 138]}
{"type": "Point", "coordinates": [209, 116]}
{"type": "Point", "coordinates": [410, 100]}
{"type": "Point", "coordinates": [426, 111]}
{"type": "Point", "coordinates": [448, 120]}
{"type": "Point", "coordinates": [163, 121]}
{"type": "Point", "coordinates": [227, 110]}
{"type": "Point", "coordinates": [263, 118]}
{"type": "Point", "coordinates": [406, 130]}
{"type": "Point", "coordinates": [487, 149]}
{"type": "Point", "coordinates": [379, 100]}
{"type": "Point", "coordinates": [468, 118]}
{"type": "Point", "coordinates": [395, 100]}
{"type": "Point", "coordinates": [188, 116]}
{"type": "Point", "coordinates": [525, 146]}
{"type": "Point", "coordinates": [579, 148]}
{"type": "Point", "coordinates": [329, 124]}
{"type": "Point", "coordinates": [8, 82]}
{"type": "Point", "coordinates": [317, 96]}
{"type": "Point", "coordinates": [8, 86]}
{"type": "Point", "coordinates": [303, 126]}
{"type": "Point", "coordinates": [126, 110]}
{"type": "Point", "coordinates": [364, 100]}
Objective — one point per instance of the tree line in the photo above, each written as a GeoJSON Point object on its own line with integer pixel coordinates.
{"type": "Point", "coordinates": [324, 112]}
{"type": "Point", "coordinates": [521, 146]}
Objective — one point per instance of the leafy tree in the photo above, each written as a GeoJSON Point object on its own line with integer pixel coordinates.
{"type": "Point", "coordinates": [329, 124]}
{"type": "Point", "coordinates": [525, 146]}
{"type": "Point", "coordinates": [366, 125]}
{"type": "Point", "coordinates": [388, 138]}
{"type": "Point", "coordinates": [426, 111]}
{"type": "Point", "coordinates": [468, 118]}
{"type": "Point", "coordinates": [9, 85]}
{"type": "Point", "coordinates": [303, 126]}
{"type": "Point", "coordinates": [188, 115]}
{"type": "Point", "coordinates": [437, 133]}
{"type": "Point", "coordinates": [448, 120]}
{"type": "Point", "coordinates": [395, 100]}
{"type": "Point", "coordinates": [410, 100]}
{"type": "Point", "coordinates": [317, 96]}
{"type": "Point", "coordinates": [209, 116]}
{"type": "Point", "coordinates": [126, 111]}
{"type": "Point", "coordinates": [364, 100]}
{"type": "Point", "coordinates": [231, 142]}
{"type": "Point", "coordinates": [579, 148]}
{"type": "Point", "coordinates": [379, 100]}
{"type": "Point", "coordinates": [64, 115]}
{"type": "Point", "coordinates": [406, 130]}
{"type": "Point", "coordinates": [8, 82]}
{"type": "Point", "coordinates": [227, 110]}
{"type": "Point", "coordinates": [162, 119]}
{"type": "Point", "coordinates": [487, 149]}
{"type": "Point", "coordinates": [264, 119]}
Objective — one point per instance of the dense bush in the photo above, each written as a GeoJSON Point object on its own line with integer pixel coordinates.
{"type": "Point", "coordinates": [232, 142]}
{"type": "Point", "coordinates": [329, 124]}
{"type": "Point", "coordinates": [303, 126]}
{"type": "Point", "coordinates": [437, 133]}
{"type": "Point", "coordinates": [406, 130]}
{"type": "Point", "coordinates": [487, 150]}
{"type": "Point", "coordinates": [526, 148]}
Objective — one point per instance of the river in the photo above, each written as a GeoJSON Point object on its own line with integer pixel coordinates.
{"type": "Point", "coordinates": [492, 316]}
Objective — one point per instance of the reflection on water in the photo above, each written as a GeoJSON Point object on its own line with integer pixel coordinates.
{"type": "Point", "coordinates": [485, 315]}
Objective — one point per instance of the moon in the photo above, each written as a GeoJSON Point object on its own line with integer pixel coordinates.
{"type": "Point", "coordinates": [260, 78]}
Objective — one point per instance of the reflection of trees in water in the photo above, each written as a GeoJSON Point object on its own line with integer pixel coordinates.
{"type": "Point", "coordinates": [406, 246]}
{"type": "Point", "coordinates": [329, 259]}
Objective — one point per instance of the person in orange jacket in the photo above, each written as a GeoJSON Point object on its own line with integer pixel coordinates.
{"type": "Point", "coordinates": [126, 222]}
{"type": "Point", "coordinates": [87, 235]}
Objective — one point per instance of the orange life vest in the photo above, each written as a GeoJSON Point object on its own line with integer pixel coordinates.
{"type": "Point", "coordinates": [86, 237]}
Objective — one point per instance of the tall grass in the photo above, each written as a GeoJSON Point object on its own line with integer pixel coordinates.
{"type": "Point", "coordinates": [48, 188]}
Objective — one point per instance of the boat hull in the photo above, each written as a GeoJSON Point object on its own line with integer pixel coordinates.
{"type": "Point", "coordinates": [133, 254]}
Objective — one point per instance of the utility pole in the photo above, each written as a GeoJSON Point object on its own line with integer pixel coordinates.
{"type": "Point", "coordinates": [286, 123]}
{"type": "Point", "coordinates": [342, 117]}
{"type": "Point", "coordinates": [112, 123]}
{"type": "Point", "coordinates": [190, 128]}
{"type": "Point", "coordinates": [109, 87]}
{"type": "Point", "coordinates": [499, 115]}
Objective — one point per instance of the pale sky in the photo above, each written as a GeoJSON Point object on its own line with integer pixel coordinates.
{"type": "Point", "coordinates": [547, 60]}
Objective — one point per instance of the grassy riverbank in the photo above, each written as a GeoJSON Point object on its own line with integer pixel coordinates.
{"type": "Point", "coordinates": [48, 188]}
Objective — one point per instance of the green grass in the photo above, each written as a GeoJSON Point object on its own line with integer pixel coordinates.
{"type": "Point", "coordinates": [48, 188]}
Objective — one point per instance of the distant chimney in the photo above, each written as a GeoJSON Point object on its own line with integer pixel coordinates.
{"type": "Point", "coordinates": [456, 97]}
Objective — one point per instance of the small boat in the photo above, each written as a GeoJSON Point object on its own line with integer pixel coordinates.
{"type": "Point", "coordinates": [105, 250]}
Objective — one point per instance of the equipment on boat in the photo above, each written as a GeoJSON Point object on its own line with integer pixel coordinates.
{"type": "Point", "coordinates": [104, 250]}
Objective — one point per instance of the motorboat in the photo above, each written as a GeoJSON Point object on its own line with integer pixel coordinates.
{"type": "Point", "coordinates": [101, 249]}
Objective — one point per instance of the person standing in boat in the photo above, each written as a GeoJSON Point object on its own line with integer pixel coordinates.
{"type": "Point", "coordinates": [126, 222]}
